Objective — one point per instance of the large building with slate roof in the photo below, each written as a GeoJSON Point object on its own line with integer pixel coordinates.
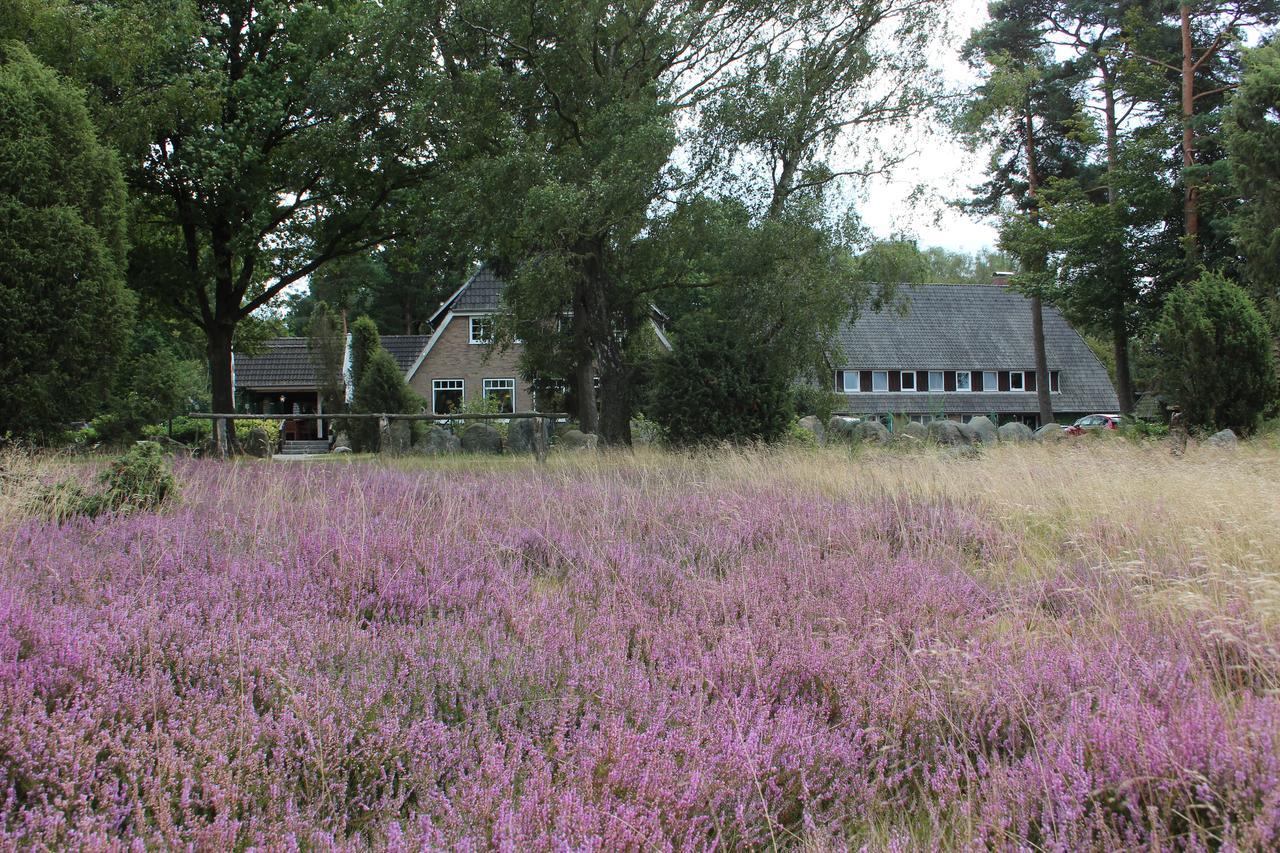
{"type": "Point", "coordinates": [956, 351]}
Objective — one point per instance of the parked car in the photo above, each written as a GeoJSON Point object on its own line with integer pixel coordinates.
{"type": "Point", "coordinates": [1092, 422]}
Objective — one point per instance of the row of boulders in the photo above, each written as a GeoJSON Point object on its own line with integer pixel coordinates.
{"type": "Point", "coordinates": [522, 437]}
{"type": "Point", "coordinates": [980, 430]}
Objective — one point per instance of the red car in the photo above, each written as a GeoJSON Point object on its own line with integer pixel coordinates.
{"type": "Point", "coordinates": [1092, 422]}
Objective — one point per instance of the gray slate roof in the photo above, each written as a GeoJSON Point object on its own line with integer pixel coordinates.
{"type": "Point", "coordinates": [970, 327]}
{"type": "Point", "coordinates": [405, 349]}
{"type": "Point", "coordinates": [482, 292]}
{"type": "Point", "coordinates": [285, 364]}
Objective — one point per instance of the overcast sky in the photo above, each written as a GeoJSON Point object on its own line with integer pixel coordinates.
{"type": "Point", "coordinates": [942, 167]}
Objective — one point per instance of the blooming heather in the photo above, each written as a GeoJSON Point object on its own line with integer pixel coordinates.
{"type": "Point", "coordinates": [360, 656]}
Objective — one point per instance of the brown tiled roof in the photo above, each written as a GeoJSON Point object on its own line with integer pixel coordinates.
{"type": "Point", "coordinates": [284, 364]}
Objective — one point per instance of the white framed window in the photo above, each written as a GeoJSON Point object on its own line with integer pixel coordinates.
{"type": "Point", "coordinates": [446, 396]}
{"type": "Point", "coordinates": [879, 380]}
{"type": "Point", "coordinates": [1015, 380]}
{"type": "Point", "coordinates": [503, 390]}
{"type": "Point", "coordinates": [481, 330]}
{"type": "Point", "coordinates": [990, 381]}
{"type": "Point", "coordinates": [963, 381]}
{"type": "Point", "coordinates": [908, 380]}
{"type": "Point", "coordinates": [935, 381]}
{"type": "Point", "coordinates": [852, 382]}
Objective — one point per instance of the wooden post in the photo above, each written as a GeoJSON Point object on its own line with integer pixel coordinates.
{"type": "Point", "coordinates": [540, 428]}
{"type": "Point", "coordinates": [220, 444]}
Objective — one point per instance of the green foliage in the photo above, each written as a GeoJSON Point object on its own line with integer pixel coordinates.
{"type": "Point", "coordinates": [137, 481]}
{"type": "Point", "coordinates": [798, 435]}
{"type": "Point", "coordinates": [717, 385]}
{"type": "Point", "coordinates": [244, 427]}
{"type": "Point", "coordinates": [64, 310]}
{"type": "Point", "coordinates": [365, 341]}
{"type": "Point", "coordinates": [1215, 357]}
{"type": "Point", "coordinates": [817, 400]}
{"type": "Point", "coordinates": [1252, 136]}
{"type": "Point", "coordinates": [1138, 430]}
{"type": "Point", "coordinates": [185, 430]}
{"type": "Point", "coordinates": [327, 346]}
{"type": "Point", "coordinates": [381, 390]}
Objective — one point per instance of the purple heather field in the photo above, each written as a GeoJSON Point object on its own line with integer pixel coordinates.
{"type": "Point", "coordinates": [616, 657]}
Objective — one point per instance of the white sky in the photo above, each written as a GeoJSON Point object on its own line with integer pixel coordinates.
{"type": "Point", "coordinates": [942, 168]}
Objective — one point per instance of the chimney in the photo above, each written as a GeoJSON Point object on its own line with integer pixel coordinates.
{"type": "Point", "coordinates": [1001, 279]}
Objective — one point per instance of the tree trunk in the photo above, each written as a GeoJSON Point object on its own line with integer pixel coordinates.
{"type": "Point", "coordinates": [1119, 321]}
{"type": "Point", "coordinates": [584, 369]}
{"type": "Point", "coordinates": [1190, 191]}
{"type": "Point", "coordinates": [1042, 362]}
{"type": "Point", "coordinates": [1037, 264]}
{"type": "Point", "coordinates": [218, 351]}
{"type": "Point", "coordinates": [1124, 379]}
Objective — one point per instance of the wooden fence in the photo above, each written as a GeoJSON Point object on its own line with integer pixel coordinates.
{"type": "Point", "coordinates": [221, 433]}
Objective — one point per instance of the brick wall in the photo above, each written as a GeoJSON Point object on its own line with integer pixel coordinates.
{"type": "Point", "coordinates": [455, 357]}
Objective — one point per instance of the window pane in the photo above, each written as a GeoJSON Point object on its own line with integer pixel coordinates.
{"type": "Point", "coordinates": [962, 380]}
{"type": "Point", "coordinates": [908, 380]}
{"type": "Point", "coordinates": [935, 380]}
{"type": "Point", "coordinates": [481, 330]}
{"type": "Point", "coordinates": [446, 396]}
{"type": "Point", "coordinates": [989, 381]}
{"type": "Point", "coordinates": [880, 380]}
{"type": "Point", "coordinates": [1015, 380]}
{"type": "Point", "coordinates": [502, 390]}
{"type": "Point", "coordinates": [850, 381]}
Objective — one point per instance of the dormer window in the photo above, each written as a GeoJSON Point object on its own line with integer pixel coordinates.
{"type": "Point", "coordinates": [481, 330]}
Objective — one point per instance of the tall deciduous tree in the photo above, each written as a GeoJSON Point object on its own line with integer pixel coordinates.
{"type": "Point", "coordinates": [64, 310]}
{"type": "Point", "coordinates": [601, 97]}
{"type": "Point", "coordinates": [272, 137]}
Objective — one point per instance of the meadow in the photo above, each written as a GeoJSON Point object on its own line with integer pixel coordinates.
{"type": "Point", "coordinates": [1054, 648]}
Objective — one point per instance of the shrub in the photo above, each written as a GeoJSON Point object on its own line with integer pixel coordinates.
{"type": "Point", "coordinates": [814, 400]}
{"type": "Point", "coordinates": [186, 430]}
{"type": "Point", "coordinates": [798, 435]}
{"type": "Point", "coordinates": [1214, 354]}
{"type": "Point", "coordinates": [381, 390]}
{"type": "Point", "coordinates": [138, 480]}
{"type": "Point", "coordinates": [364, 343]}
{"type": "Point", "coordinates": [717, 384]}
{"type": "Point", "coordinates": [271, 427]}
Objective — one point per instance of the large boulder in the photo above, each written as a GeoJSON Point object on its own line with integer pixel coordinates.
{"type": "Point", "coordinates": [812, 424]}
{"type": "Point", "coordinates": [1051, 432]}
{"type": "Point", "coordinates": [984, 429]}
{"type": "Point", "coordinates": [1015, 432]}
{"type": "Point", "coordinates": [969, 433]}
{"type": "Point", "coordinates": [840, 427]}
{"type": "Point", "coordinates": [439, 442]}
{"type": "Point", "coordinates": [1226, 439]}
{"type": "Point", "coordinates": [397, 438]}
{"type": "Point", "coordinates": [946, 432]}
{"type": "Point", "coordinates": [574, 439]}
{"type": "Point", "coordinates": [916, 430]}
{"type": "Point", "coordinates": [258, 444]}
{"type": "Point", "coordinates": [873, 431]}
{"type": "Point", "coordinates": [522, 435]}
{"type": "Point", "coordinates": [481, 438]}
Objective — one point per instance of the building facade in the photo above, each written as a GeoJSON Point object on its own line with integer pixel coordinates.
{"type": "Point", "coordinates": [957, 351]}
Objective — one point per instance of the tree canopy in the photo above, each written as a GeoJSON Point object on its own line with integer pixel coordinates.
{"type": "Point", "coordinates": [65, 313]}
